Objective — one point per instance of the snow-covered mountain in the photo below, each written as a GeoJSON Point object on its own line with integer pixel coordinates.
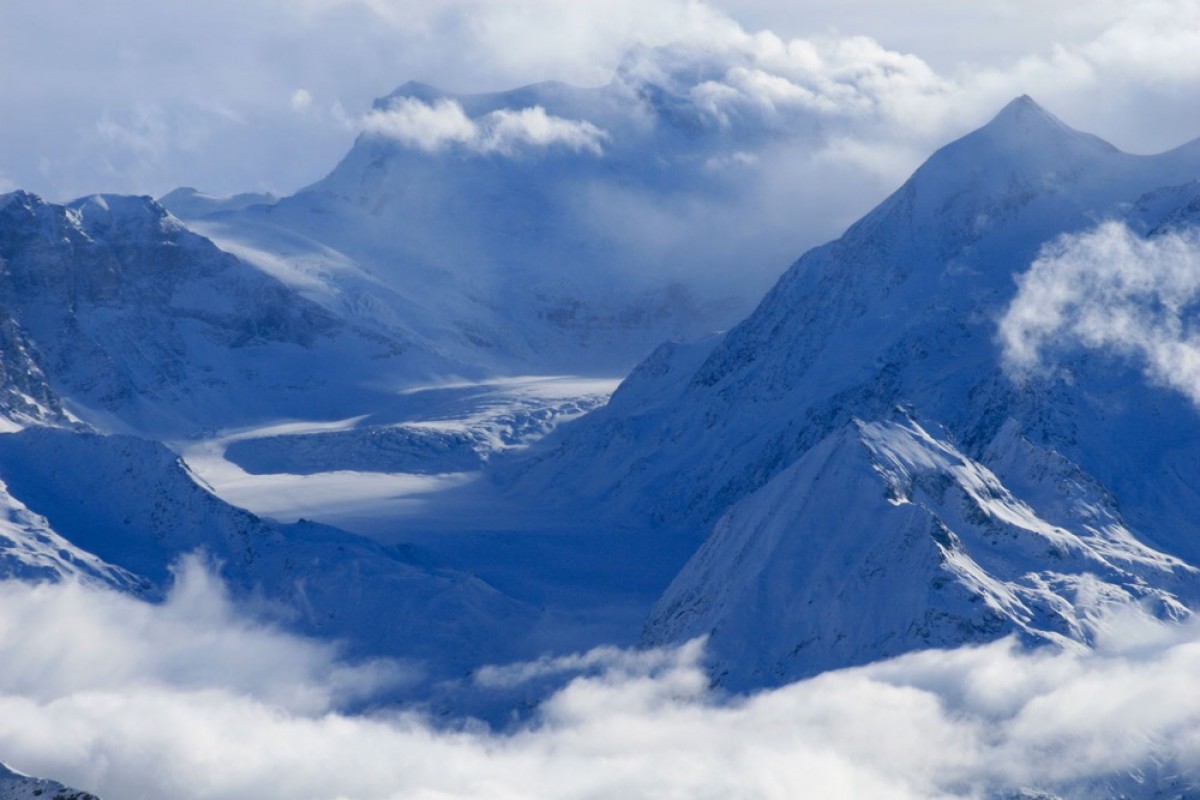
{"type": "Point", "coordinates": [15, 786]}
{"type": "Point", "coordinates": [878, 478]}
{"type": "Point", "coordinates": [549, 227]}
{"type": "Point", "coordinates": [882, 539]}
{"type": "Point", "coordinates": [139, 323]}
{"type": "Point", "coordinates": [130, 510]}
{"type": "Point", "coordinates": [117, 317]}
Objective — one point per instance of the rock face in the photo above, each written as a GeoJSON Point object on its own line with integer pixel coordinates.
{"type": "Point", "coordinates": [889, 334]}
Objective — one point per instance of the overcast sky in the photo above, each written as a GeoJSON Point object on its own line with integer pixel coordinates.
{"type": "Point", "coordinates": [141, 96]}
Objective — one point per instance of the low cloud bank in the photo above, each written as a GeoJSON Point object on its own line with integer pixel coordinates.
{"type": "Point", "coordinates": [190, 700]}
{"type": "Point", "coordinates": [1110, 289]}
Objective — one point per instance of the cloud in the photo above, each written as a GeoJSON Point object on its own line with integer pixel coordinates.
{"type": "Point", "coordinates": [830, 77]}
{"type": "Point", "coordinates": [426, 127]}
{"type": "Point", "coordinates": [926, 70]}
{"type": "Point", "coordinates": [192, 700]}
{"type": "Point", "coordinates": [61, 639]}
{"type": "Point", "coordinates": [302, 100]}
{"type": "Point", "coordinates": [144, 134]}
{"type": "Point", "coordinates": [443, 123]}
{"type": "Point", "coordinates": [1152, 44]}
{"type": "Point", "coordinates": [1112, 290]}
{"type": "Point", "coordinates": [507, 131]}
{"type": "Point", "coordinates": [880, 86]}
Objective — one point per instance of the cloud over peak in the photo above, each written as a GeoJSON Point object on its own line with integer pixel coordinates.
{"type": "Point", "coordinates": [442, 124]}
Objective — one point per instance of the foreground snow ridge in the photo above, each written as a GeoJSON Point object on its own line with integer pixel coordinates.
{"type": "Point", "coordinates": [883, 539]}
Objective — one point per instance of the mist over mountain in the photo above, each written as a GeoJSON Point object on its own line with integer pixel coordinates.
{"type": "Point", "coordinates": [562, 226]}
{"type": "Point", "coordinates": [359, 439]}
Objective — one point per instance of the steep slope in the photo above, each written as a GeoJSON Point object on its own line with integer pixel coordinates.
{"type": "Point", "coordinates": [881, 539]}
{"type": "Point", "coordinates": [901, 312]}
{"type": "Point", "coordinates": [137, 321]}
{"type": "Point", "coordinates": [25, 394]}
{"type": "Point", "coordinates": [129, 507]}
{"type": "Point", "coordinates": [31, 550]}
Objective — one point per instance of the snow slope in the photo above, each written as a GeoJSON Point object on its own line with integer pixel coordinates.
{"type": "Point", "coordinates": [135, 508]}
{"type": "Point", "coordinates": [142, 324]}
{"type": "Point", "coordinates": [882, 539]}
{"type": "Point", "coordinates": [31, 550]}
{"type": "Point", "coordinates": [15, 786]}
{"type": "Point", "coordinates": [901, 312]}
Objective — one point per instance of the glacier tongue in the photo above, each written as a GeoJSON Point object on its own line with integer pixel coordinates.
{"type": "Point", "coordinates": [882, 539]}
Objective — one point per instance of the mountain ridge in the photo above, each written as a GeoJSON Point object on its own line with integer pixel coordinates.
{"type": "Point", "coordinates": [899, 313]}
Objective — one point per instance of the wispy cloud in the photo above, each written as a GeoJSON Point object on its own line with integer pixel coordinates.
{"type": "Point", "coordinates": [436, 126]}
{"type": "Point", "coordinates": [1112, 290]}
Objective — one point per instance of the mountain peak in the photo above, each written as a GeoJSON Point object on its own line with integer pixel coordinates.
{"type": "Point", "coordinates": [415, 90]}
{"type": "Point", "coordinates": [1023, 106]}
{"type": "Point", "coordinates": [1023, 152]}
{"type": "Point", "coordinates": [1024, 123]}
{"type": "Point", "coordinates": [1024, 113]}
{"type": "Point", "coordinates": [99, 213]}
{"type": "Point", "coordinates": [21, 197]}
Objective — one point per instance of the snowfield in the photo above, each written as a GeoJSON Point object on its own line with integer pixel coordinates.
{"type": "Point", "coordinates": [368, 473]}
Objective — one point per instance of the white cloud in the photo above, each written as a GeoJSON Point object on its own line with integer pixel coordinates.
{"type": "Point", "coordinates": [189, 700]}
{"type": "Point", "coordinates": [507, 131]}
{"type": "Point", "coordinates": [66, 639]}
{"type": "Point", "coordinates": [1110, 289]}
{"type": "Point", "coordinates": [302, 100]}
{"type": "Point", "coordinates": [443, 123]}
{"type": "Point", "coordinates": [427, 127]}
{"type": "Point", "coordinates": [1156, 43]}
